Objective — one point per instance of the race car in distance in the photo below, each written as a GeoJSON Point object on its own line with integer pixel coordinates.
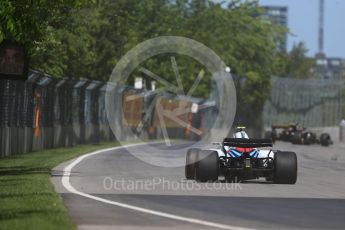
{"type": "Point", "coordinates": [241, 158]}
{"type": "Point", "coordinates": [296, 134]}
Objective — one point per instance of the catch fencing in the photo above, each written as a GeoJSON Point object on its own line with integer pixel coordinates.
{"type": "Point", "coordinates": [44, 113]}
{"type": "Point", "coordinates": [311, 103]}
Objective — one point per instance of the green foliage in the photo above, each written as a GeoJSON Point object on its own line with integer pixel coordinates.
{"type": "Point", "coordinates": [27, 21]}
{"type": "Point", "coordinates": [295, 64]}
{"type": "Point", "coordinates": [84, 39]}
{"type": "Point", "coordinates": [67, 49]}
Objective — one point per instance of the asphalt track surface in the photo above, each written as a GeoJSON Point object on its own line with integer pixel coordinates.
{"type": "Point", "coordinates": [102, 194]}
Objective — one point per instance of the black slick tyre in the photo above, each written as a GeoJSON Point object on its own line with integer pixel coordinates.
{"type": "Point", "coordinates": [191, 159]}
{"type": "Point", "coordinates": [207, 167]}
{"type": "Point", "coordinates": [285, 168]}
{"type": "Point", "coordinates": [325, 139]}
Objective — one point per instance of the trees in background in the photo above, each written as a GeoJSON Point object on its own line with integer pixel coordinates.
{"type": "Point", "coordinates": [295, 64]}
{"type": "Point", "coordinates": [85, 39]}
{"type": "Point", "coordinates": [28, 22]}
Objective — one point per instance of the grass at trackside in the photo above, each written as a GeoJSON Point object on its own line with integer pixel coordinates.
{"type": "Point", "coordinates": [27, 197]}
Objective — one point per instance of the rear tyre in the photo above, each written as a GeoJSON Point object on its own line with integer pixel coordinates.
{"type": "Point", "coordinates": [285, 168]}
{"type": "Point", "coordinates": [268, 134]}
{"type": "Point", "coordinates": [296, 138]}
{"type": "Point", "coordinates": [191, 159]}
{"type": "Point", "coordinates": [207, 167]}
{"type": "Point", "coordinates": [306, 138]}
{"type": "Point", "coordinates": [325, 139]}
{"type": "Point", "coordinates": [269, 178]}
{"type": "Point", "coordinates": [271, 135]}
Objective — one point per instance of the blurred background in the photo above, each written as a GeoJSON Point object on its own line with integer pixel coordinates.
{"type": "Point", "coordinates": [286, 58]}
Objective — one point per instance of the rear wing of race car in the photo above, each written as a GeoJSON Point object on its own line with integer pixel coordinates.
{"type": "Point", "coordinates": [247, 143]}
{"type": "Point", "coordinates": [284, 126]}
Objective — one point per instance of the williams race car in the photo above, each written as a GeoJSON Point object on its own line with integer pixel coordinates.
{"type": "Point", "coordinates": [241, 158]}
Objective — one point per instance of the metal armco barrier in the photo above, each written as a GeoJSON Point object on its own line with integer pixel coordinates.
{"type": "Point", "coordinates": [44, 113]}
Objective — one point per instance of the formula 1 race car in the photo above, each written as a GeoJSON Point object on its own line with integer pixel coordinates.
{"type": "Point", "coordinates": [239, 159]}
{"type": "Point", "coordinates": [297, 135]}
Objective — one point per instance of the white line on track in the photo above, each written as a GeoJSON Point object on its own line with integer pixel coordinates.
{"type": "Point", "coordinates": [66, 183]}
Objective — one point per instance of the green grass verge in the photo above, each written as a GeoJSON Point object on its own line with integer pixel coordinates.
{"type": "Point", "coordinates": [27, 197]}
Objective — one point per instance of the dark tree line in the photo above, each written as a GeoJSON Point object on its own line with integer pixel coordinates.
{"type": "Point", "coordinates": [85, 39]}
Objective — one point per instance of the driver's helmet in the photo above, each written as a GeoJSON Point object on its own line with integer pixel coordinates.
{"type": "Point", "coordinates": [238, 151]}
{"type": "Point", "coordinates": [240, 133]}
